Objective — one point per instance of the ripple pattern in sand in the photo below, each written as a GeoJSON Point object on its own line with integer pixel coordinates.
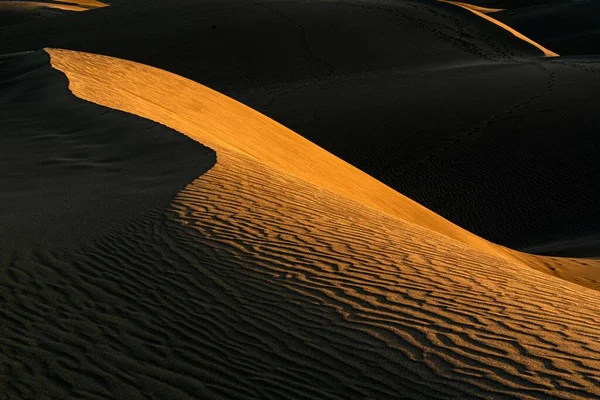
{"type": "Point", "coordinates": [258, 285]}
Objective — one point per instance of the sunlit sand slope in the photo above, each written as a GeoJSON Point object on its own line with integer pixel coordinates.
{"type": "Point", "coordinates": [341, 74]}
{"type": "Point", "coordinates": [222, 123]}
{"type": "Point", "coordinates": [110, 81]}
{"type": "Point", "coordinates": [259, 283]}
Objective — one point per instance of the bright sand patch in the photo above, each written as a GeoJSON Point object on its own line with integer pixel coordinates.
{"type": "Point", "coordinates": [222, 123]}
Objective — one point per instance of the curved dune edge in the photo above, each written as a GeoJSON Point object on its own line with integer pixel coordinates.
{"type": "Point", "coordinates": [99, 79]}
{"type": "Point", "coordinates": [230, 125]}
{"type": "Point", "coordinates": [481, 9]}
{"type": "Point", "coordinates": [73, 170]}
{"type": "Point", "coordinates": [227, 125]}
{"type": "Point", "coordinates": [477, 11]}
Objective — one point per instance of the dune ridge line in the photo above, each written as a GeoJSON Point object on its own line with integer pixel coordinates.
{"type": "Point", "coordinates": [477, 11]}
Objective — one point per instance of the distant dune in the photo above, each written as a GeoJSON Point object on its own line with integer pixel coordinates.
{"type": "Point", "coordinates": [569, 27]}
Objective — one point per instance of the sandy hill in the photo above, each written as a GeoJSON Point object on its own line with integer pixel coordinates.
{"type": "Point", "coordinates": [281, 271]}
{"type": "Point", "coordinates": [266, 278]}
{"type": "Point", "coordinates": [461, 107]}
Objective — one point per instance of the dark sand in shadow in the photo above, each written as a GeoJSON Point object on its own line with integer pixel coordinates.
{"type": "Point", "coordinates": [73, 169]}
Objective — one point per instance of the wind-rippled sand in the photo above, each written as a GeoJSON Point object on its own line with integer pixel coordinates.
{"type": "Point", "coordinates": [282, 272]}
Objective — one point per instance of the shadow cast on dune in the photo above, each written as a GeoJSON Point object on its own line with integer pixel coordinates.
{"type": "Point", "coordinates": [72, 169]}
{"type": "Point", "coordinates": [265, 279]}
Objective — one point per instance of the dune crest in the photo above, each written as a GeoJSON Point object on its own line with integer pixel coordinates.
{"type": "Point", "coordinates": [109, 81]}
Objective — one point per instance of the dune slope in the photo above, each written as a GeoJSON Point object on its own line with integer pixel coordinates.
{"type": "Point", "coordinates": [259, 283]}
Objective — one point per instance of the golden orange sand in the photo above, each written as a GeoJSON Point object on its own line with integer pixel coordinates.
{"type": "Point", "coordinates": [223, 123]}
{"type": "Point", "coordinates": [260, 280]}
{"type": "Point", "coordinates": [229, 127]}
{"type": "Point", "coordinates": [477, 11]}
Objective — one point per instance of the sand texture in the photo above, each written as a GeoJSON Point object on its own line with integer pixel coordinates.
{"type": "Point", "coordinates": [16, 12]}
{"type": "Point", "coordinates": [162, 238]}
{"type": "Point", "coordinates": [256, 283]}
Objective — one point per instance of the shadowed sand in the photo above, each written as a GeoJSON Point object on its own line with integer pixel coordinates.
{"type": "Point", "coordinates": [258, 282]}
{"type": "Point", "coordinates": [283, 272]}
{"type": "Point", "coordinates": [73, 169]}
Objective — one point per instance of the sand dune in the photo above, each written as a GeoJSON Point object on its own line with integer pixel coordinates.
{"type": "Point", "coordinates": [36, 5]}
{"type": "Point", "coordinates": [258, 283]}
{"type": "Point", "coordinates": [481, 9]}
{"type": "Point", "coordinates": [436, 113]}
{"type": "Point", "coordinates": [282, 271]}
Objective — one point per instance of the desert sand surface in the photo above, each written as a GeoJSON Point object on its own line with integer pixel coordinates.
{"type": "Point", "coordinates": [160, 239]}
{"type": "Point", "coordinates": [256, 282]}
{"type": "Point", "coordinates": [437, 112]}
